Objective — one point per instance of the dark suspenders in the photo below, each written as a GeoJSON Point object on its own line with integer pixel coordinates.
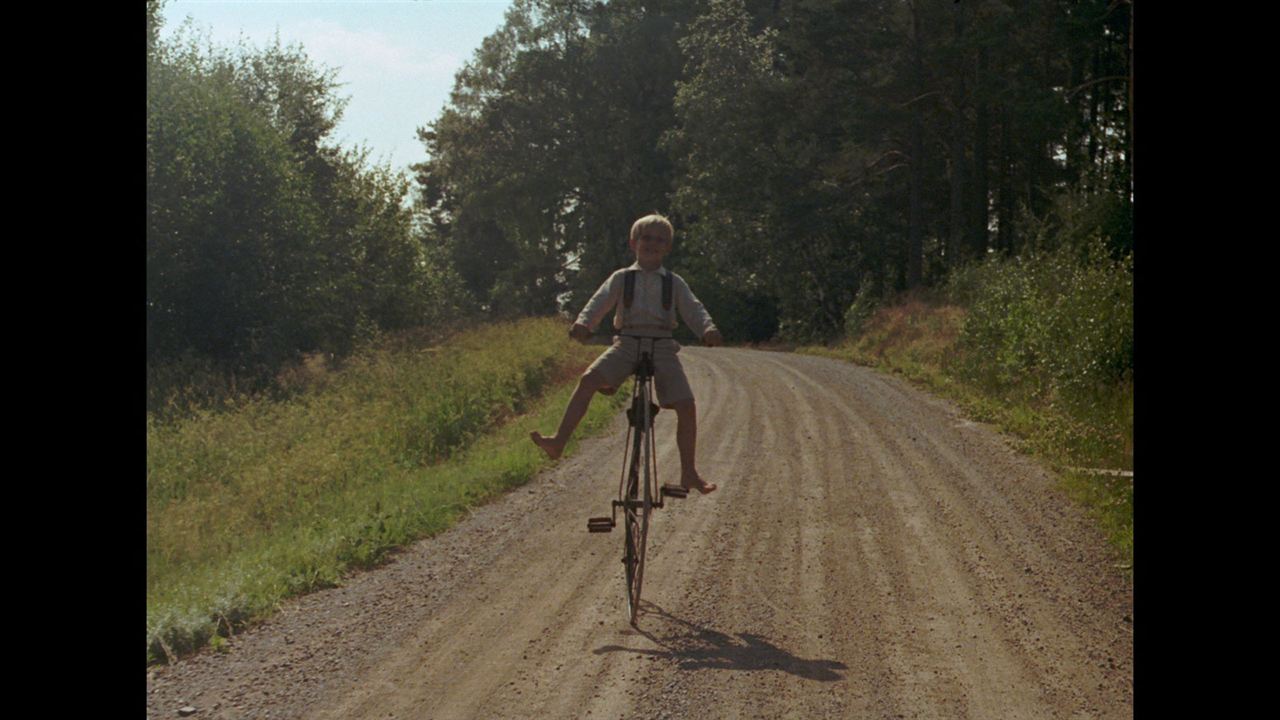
{"type": "Point", "coordinates": [629, 290]}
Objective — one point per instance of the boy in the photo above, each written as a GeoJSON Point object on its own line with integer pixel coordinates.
{"type": "Point", "coordinates": [650, 240]}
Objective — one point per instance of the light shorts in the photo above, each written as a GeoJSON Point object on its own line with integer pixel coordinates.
{"type": "Point", "coordinates": [617, 363]}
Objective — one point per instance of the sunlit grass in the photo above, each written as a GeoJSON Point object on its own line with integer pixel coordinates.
{"type": "Point", "coordinates": [919, 340]}
{"type": "Point", "coordinates": [250, 506]}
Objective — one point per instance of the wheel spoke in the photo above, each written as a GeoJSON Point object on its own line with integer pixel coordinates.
{"type": "Point", "coordinates": [637, 487]}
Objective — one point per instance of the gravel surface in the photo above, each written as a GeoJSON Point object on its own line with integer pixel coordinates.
{"type": "Point", "coordinates": [870, 553]}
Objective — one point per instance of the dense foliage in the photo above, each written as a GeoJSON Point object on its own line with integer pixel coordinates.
{"type": "Point", "coordinates": [815, 155]}
{"type": "Point", "coordinates": [810, 151]}
{"type": "Point", "coordinates": [1056, 323]}
{"type": "Point", "coordinates": [550, 148]}
{"type": "Point", "coordinates": [264, 239]}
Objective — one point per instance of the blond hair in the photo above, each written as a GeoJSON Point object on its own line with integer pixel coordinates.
{"type": "Point", "coordinates": [649, 221]}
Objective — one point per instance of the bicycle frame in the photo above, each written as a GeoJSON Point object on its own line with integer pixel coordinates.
{"type": "Point", "coordinates": [639, 492]}
{"type": "Point", "coordinates": [640, 428]}
{"type": "Point", "coordinates": [636, 491]}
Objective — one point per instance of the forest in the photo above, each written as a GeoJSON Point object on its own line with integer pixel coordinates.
{"type": "Point", "coordinates": [815, 156]}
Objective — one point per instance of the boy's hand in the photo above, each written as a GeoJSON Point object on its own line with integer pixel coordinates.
{"type": "Point", "coordinates": [580, 332]}
{"type": "Point", "coordinates": [712, 339]}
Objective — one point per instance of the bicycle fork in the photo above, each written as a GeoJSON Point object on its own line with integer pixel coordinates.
{"type": "Point", "coordinates": [640, 431]}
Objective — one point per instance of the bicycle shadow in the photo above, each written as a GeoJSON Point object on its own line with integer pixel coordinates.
{"type": "Point", "coordinates": [695, 647]}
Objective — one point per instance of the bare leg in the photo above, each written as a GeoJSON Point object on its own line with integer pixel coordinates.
{"type": "Point", "coordinates": [687, 442]}
{"type": "Point", "coordinates": [588, 384]}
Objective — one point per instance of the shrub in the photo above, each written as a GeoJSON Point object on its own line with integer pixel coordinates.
{"type": "Point", "coordinates": [864, 304]}
{"type": "Point", "coordinates": [1053, 324]}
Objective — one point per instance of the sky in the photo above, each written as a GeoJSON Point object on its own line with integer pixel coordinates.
{"type": "Point", "coordinates": [396, 59]}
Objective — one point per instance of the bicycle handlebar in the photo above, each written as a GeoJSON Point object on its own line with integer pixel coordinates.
{"type": "Point", "coordinates": [606, 338]}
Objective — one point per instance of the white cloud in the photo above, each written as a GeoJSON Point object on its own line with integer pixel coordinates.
{"type": "Point", "coordinates": [370, 54]}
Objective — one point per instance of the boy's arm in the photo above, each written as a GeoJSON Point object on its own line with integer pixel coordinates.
{"type": "Point", "coordinates": [605, 297]}
{"type": "Point", "coordinates": [694, 314]}
{"type": "Point", "coordinates": [580, 332]}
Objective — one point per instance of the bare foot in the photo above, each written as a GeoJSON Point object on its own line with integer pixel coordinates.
{"type": "Point", "coordinates": [697, 483]}
{"type": "Point", "coordinates": [549, 446]}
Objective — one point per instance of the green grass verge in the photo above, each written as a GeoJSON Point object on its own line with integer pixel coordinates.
{"type": "Point", "coordinates": [918, 340]}
{"type": "Point", "coordinates": [249, 506]}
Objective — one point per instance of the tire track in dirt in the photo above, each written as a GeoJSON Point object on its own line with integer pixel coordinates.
{"type": "Point", "coordinates": [926, 487]}
{"type": "Point", "coordinates": [868, 554]}
{"type": "Point", "coordinates": [636, 661]}
{"type": "Point", "coordinates": [739, 645]}
{"type": "Point", "coordinates": [931, 667]}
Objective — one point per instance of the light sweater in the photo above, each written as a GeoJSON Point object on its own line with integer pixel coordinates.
{"type": "Point", "coordinates": [646, 313]}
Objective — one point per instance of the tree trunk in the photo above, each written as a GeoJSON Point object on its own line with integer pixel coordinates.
{"type": "Point", "coordinates": [956, 245]}
{"type": "Point", "coordinates": [979, 199]}
{"type": "Point", "coordinates": [1004, 209]}
{"type": "Point", "coordinates": [1078, 128]}
{"type": "Point", "coordinates": [915, 232]}
{"type": "Point", "coordinates": [1129, 136]}
{"type": "Point", "coordinates": [1095, 98]}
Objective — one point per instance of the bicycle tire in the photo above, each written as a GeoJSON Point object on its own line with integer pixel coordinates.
{"type": "Point", "coordinates": [637, 518]}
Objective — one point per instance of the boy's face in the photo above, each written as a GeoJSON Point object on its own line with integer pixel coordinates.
{"type": "Point", "coordinates": [651, 246]}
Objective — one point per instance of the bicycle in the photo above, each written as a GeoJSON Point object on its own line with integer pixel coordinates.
{"type": "Point", "coordinates": [639, 493]}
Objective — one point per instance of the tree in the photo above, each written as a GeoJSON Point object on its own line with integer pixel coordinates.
{"type": "Point", "coordinates": [550, 148]}
{"type": "Point", "coordinates": [264, 240]}
{"type": "Point", "coordinates": [809, 151]}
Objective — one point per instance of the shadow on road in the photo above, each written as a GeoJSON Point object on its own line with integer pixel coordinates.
{"type": "Point", "coordinates": [694, 647]}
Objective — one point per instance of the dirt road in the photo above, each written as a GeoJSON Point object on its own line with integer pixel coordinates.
{"type": "Point", "coordinates": [869, 554]}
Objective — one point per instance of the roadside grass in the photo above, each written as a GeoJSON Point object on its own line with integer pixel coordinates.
{"type": "Point", "coordinates": [919, 339]}
{"type": "Point", "coordinates": [270, 499]}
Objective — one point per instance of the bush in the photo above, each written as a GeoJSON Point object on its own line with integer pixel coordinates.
{"type": "Point", "coordinates": [864, 304]}
{"type": "Point", "coordinates": [1051, 325]}
{"type": "Point", "coordinates": [265, 241]}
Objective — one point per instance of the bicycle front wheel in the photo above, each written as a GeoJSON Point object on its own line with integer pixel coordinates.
{"type": "Point", "coordinates": [640, 503]}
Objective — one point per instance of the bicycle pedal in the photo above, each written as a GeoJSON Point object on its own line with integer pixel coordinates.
{"type": "Point", "coordinates": [675, 491]}
{"type": "Point", "coordinates": [599, 524]}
